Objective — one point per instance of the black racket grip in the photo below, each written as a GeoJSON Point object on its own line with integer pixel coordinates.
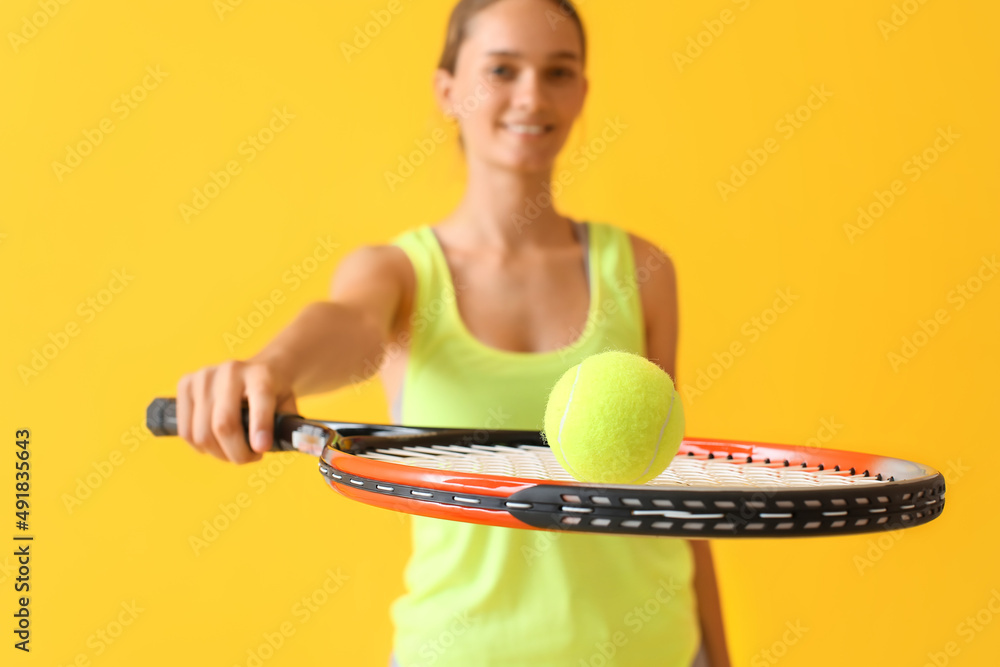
{"type": "Point", "coordinates": [161, 420]}
{"type": "Point", "coordinates": [161, 417]}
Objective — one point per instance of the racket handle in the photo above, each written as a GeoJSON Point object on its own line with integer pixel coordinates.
{"type": "Point", "coordinates": [161, 416]}
{"type": "Point", "coordinates": [161, 420]}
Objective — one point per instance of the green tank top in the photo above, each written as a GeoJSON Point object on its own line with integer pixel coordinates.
{"type": "Point", "coordinates": [482, 595]}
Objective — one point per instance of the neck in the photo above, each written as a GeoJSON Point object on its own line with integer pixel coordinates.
{"type": "Point", "coordinates": [508, 210]}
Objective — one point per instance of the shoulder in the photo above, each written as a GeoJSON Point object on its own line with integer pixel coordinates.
{"type": "Point", "coordinates": [657, 280]}
{"type": "Point", "coordinates": [652, 258]}
{"type": "Point", "coordinates": [655, 275]}
{"type": "Point", "coordinates": [654, 268]}
{"type": "Point", "coordinates": [376, 279]}
{"type": "Point", "coordinates": [644, 251]}
{"type": "Point", "coordinates": [381, 263]}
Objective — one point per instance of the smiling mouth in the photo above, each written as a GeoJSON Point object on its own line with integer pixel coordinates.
{"type": "Point", "coordinates": [528, 130]}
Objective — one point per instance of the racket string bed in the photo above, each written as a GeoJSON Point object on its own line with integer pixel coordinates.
{"type": "Point", "coordinates": [536, 462]}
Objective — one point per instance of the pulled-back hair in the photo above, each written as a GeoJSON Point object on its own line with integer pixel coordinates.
{"type": "Point", "coordinates": [466, 10]}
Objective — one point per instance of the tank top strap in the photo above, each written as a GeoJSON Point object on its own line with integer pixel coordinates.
{"type": "Point", "coordinates": [619, 314]}
{"type": "Point", "coordinates": [434, 305]}
{"type": "Point", "coordinates": [614, 318]}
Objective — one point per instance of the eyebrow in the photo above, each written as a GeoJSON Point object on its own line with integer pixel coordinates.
{"type": "Point", "coordinates": [555, 55]}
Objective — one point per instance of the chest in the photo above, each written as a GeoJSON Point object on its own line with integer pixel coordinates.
{"type": "Point", "coordinates": [528, 304]}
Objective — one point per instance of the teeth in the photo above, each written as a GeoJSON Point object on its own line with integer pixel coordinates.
{"type": "Point", "coordinates": [527, 129]}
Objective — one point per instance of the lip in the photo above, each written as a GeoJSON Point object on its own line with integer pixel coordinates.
{"type": "Point", "coordinates": [527, 136]}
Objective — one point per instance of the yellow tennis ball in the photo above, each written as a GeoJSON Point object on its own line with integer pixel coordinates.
{"type": "Point", "coordinates": [615, 418]}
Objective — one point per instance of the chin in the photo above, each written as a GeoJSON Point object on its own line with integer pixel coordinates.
{"type": "Point", "coordinates": [528, 163]}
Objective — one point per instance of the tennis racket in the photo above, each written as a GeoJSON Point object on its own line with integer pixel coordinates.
{"type": "Point", "coordinates": [712, 488]}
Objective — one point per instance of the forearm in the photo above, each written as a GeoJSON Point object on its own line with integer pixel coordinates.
{"type": "Point", "coordinates": [709, 605]}
{"type": "Point", "coordinates": [329, 345]}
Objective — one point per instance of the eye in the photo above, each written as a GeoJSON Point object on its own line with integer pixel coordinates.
{"type": "Point", "coordinates": [501, 72]}
{"type": "Point", "coordinates": [562, 73]}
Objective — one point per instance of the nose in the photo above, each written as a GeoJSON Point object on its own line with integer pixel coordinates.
{"type": "Point", "coordinates": [529, 93]}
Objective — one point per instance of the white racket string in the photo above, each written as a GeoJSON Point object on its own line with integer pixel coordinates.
{"type": "Point", "coordinates": [536, 462]}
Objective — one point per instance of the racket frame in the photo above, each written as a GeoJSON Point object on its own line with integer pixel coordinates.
{"type": "Point", "coordinates": [901, 493]}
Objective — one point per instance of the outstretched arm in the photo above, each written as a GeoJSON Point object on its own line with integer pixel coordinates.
{"type": "Point", "coordinates": [330, 344]}
{"type": "Point", "coordinates": [336, 342]}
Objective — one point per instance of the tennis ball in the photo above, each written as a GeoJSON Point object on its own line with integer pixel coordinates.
{"type": "Point", "coordinates": [615, 418]}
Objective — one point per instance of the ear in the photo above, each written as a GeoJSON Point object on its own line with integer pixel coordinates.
{"type": "Point", "coordinates": [444, 84]}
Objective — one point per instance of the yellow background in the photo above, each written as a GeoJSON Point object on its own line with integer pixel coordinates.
{"type": "Point", "coordinates": [887, 599]}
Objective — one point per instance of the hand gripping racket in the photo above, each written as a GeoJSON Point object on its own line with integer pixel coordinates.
{"type": "Point", "coordinates": [713, 488]}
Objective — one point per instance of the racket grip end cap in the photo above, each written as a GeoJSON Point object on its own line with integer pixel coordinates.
{"type": "Point", "coordinates": [161, 417]}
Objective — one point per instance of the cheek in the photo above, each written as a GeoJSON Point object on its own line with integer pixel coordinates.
{"type": "Point", "coordinates": [570, 104]}
{"type": "Point", "coordinates": [480, 115]}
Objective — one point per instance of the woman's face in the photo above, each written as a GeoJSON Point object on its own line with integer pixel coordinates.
{"type": "Point", "coordinates": [518, 84]}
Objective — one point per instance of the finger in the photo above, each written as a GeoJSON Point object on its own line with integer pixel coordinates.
{"type": "Point", "coordinates": [201, 415]}
{"type": "Point", "coordinates": [183, 409]}
{"type": "Point", "coordinates": [227, 412]}
{"type": "Point", "coordinates": [261, 398]}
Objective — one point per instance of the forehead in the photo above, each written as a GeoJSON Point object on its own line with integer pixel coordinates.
{"type": "Point", "coordinates": [533, 28]}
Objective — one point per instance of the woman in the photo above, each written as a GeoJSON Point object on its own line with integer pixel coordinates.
{"type": "Point", "coordinates": [484, 311]}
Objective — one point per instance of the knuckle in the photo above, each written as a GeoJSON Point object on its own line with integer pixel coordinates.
{"type": "Point", "coordinates": [225, 426]}
{"type": "Point", "coordinates": [201, 380]}
{"type": "Point", "coordinates": [260, 377]}
{"type": "Point", "coordinates": [263, 383]}
{"type": "Point", "coordinates": [201, 436]}
{"type": "Point", "coordinates": [231, 367]}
